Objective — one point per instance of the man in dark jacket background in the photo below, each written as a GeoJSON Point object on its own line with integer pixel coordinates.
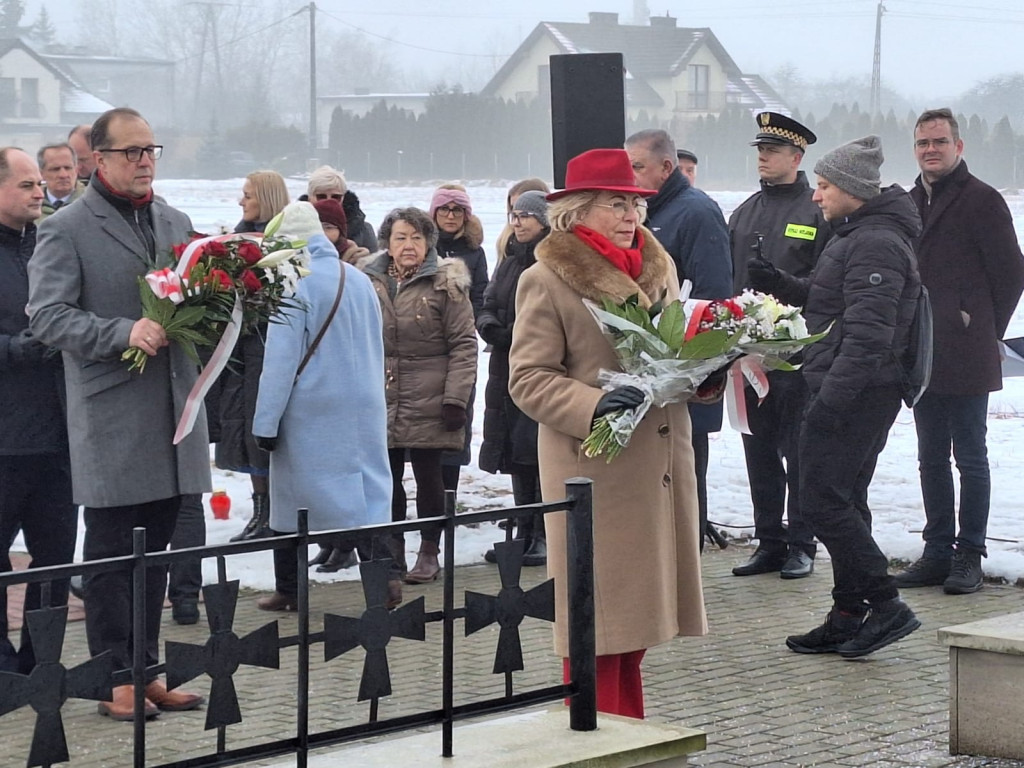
{"type": "Point", "coordinates": [35, 469]}
{"type": "Point", "coordinates": [783, 225]}
{"type": "Point", "coordinates": [972, 266]}
{"type": "Point", "coordinates": [864, 292]}
{"type": "Point", "coordinates": [691, 227]}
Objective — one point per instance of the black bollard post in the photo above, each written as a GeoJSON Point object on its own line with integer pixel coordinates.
{"type": "Point", "coordinates": [139, 642]}
{"type": "Point", "coordinates": [302, 715]}
{"type": "Point", "coordinates": [582, 637]}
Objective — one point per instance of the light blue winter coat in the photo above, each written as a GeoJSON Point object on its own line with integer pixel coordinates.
{"type": "Point", "coordinates": [331, 423]}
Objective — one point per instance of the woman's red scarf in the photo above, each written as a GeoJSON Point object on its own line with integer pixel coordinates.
{"type": "Point", "coordinates": [629, 260]}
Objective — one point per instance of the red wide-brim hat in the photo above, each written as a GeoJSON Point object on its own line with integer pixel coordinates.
{"type": "Point", "coordinates": [601, 169]}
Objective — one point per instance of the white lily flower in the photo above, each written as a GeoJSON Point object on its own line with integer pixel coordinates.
{"type": "Point", "coordinates": [277, 257]}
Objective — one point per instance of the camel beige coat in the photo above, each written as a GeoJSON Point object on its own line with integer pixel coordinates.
{"type": "Point", "coordinates": [646, 555]}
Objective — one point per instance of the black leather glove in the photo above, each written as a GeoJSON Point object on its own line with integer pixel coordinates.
{"type": "Point", "coordinates": [619, 399]}
{"type": "Point", "coordinates": [24, 349]}
{"type": "Point", "coordinates": [454, 417]}
{"type": "Point", "coordinates": [762, 275]}
{"type": "Point", "coordinates": [267, 444]}
{"type": "Point", "coordinates": [493, 332]}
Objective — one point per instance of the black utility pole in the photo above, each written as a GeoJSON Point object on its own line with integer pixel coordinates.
{"type": "Point", "coordinates": [876, 68]}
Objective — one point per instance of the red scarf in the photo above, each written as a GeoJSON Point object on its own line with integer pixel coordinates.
{"type": "Point", "coordinates": [629, 260]}
{"type": "Point", "coordinates": [137, 202]}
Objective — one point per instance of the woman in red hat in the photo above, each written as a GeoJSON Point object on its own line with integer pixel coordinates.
{"type": "Point", "coordinates": [647, 583]}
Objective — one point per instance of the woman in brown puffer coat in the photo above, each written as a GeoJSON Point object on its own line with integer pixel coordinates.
{"type": "Point", "coordinates": [430, 351]}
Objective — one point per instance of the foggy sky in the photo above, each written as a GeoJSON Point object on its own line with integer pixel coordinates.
{"type": "Point", "coordinates": [931, 51]}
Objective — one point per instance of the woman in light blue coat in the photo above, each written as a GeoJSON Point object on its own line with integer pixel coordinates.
{"type": "Point", "coordinates": [327, 429]}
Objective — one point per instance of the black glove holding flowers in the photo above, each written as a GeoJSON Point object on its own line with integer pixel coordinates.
{"type": "Point", "coordinates": [619, 399]}
{"type": "Point", "coordinates": [762, 275]}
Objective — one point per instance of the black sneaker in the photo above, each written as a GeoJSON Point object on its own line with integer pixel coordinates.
{"type": "Point", "coordinates": [886, 623]}
{"type": "Point", "coordinates": [837, 629]}
{"type": "Point", "coordinates": [965, 574]}
{"type": "Point", "coordinates": [926, 572]}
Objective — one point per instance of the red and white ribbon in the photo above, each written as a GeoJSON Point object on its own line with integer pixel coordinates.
{"type": "Point", "coordinates": [746, 369]}
{"type": "Point", "coordinates": [222, 352]}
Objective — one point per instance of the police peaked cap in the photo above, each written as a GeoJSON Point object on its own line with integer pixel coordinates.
{"type": "Point", "coordinates": [776, 128]}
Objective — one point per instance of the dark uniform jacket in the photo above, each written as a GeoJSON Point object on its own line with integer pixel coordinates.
{"type": "Point", "coordinates": [691, 227]}
{"type": "Point", "coordinates": [794, 230]}
{"type": "Point", "coordinates": [32, 419]}
{"type": "Point", "coordinates": [972, 266]}
{"type": "Point", "coordinates": [866, 285]}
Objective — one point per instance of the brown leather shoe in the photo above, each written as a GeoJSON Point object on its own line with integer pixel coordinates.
{"type": "Point", "coordinates": [278, 602]}
{"type": "Point", "coordinates": [427, 567]}
{"type": "Point", "coordinates": [394, 598]}
{"type": "Point", "coordinates": [122, 705]}
{"type": "Point", "coordinates": [172, 701]}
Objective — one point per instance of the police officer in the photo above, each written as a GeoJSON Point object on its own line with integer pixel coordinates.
{"type": "Point", "coordinates": [782, 225]}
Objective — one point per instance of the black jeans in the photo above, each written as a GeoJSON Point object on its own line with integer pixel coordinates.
{"type": "Point", "coordinates": [108, 596]}
{"type": "Point", "coordinates": [185, 579]}
{"type": "Point", "coordinates": [772, 458]}
{"type": "Point", "coordinates": [426, 468]}
{"type": "Point", "coordinates": [837, 461]}
{"type": "Point", "coordinates": [35, 496]}
{"type": "Point", "coordinates": [958, 422]}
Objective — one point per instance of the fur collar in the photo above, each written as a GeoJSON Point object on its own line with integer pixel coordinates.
{"type": "Point", "coordinates": [594, 277]}
{"type": "Point", "coordinates": [448, 274]}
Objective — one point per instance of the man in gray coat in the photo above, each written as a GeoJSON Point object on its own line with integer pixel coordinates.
{"type": "Point", "coordinates": [126, 471]}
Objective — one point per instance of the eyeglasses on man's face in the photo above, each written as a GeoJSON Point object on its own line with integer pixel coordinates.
{"type": "Point", "coordinates": [325, 196]}
{"type": "Point", "coordinates": [134, 154]}
{"type": "Point", "coordinates": [452, 210]}
{"type": "Point", "coordinates": [517, 217]}
{"type": "Point", "coordinates": [623, 207]}
{"type": "Point", "coordinates": [940, 143]}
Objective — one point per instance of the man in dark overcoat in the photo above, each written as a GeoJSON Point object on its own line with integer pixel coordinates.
{"type": "Point", "coordinates": [690, 226]}
{"type": "Point", "coordinates": [972, 266]}
{"type": "Point", "coordinates": [126, 471]}
{"type": "Point", "coordinates": [35, 472]}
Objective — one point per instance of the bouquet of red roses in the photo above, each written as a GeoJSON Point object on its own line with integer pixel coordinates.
{"type": "Point", "coordinates": [225, 284]}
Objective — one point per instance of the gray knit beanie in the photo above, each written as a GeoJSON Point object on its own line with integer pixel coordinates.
{"type": "Point", "coordinates": [854, 167]}
{"type": "Point", "coordinates": [533, 202]}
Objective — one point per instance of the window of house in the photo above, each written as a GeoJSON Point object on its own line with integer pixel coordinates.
{"type": "Point", "coordinates": [8, 97]}
{"type": "Point", "coordinates": [30, 97]}
{"type": "Point", "coordinates": [699, 84]}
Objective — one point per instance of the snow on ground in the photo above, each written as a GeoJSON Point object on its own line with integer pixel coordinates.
{"type": "Point", "coordinates": [895, 493]}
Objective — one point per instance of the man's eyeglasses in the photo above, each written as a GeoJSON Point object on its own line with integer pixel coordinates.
{"type": "Point", "coordinates": [937, 143]}
{"type": "Point", "coordinates": [134, 154]}
{"type": "Point", "coordinates": [452, 210]}
{"type": "Point", "coordinates": [621, 207]}
{"type": "Point", "coordinates": [517, 217]}
{"type": "Point", "coordinates": [324, 196]}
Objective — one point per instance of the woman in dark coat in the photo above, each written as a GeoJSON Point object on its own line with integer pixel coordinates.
{"type": "Point", "coordinates": [264, 195]}
{"type": "Point", "coordinates": [460, 235]}
{"type": "Point", "coordinates": [510, 437]}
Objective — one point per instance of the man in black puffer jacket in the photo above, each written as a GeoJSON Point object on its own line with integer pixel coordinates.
{"type": "Point", "coordinates": [864, 292]}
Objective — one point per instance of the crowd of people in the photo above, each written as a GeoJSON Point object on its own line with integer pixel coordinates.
{"type": "Point", "coordinates": [382, 348]}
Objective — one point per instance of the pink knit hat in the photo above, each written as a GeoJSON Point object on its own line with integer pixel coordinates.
{"type": "Point", "coordinates": [445, 196]}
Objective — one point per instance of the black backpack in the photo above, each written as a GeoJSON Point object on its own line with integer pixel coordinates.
{"type": "Point", "coordinates": [915, 368]}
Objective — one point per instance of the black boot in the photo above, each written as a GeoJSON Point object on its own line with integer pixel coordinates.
{"type": "Point", "coordinates": [537, 545]}
{"type": "Point", "coordinates": [258, 526]}
{"type": "Point", "coordinates": [339, 559]}
{"type": "Point", "coordinates": [322, 556]}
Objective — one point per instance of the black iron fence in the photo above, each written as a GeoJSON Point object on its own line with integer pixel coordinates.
{"type": "Point", "coordinates": [52, 683]}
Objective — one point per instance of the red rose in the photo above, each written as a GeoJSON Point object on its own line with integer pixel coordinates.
{"type": "Point", "coordinates": [221, 279]}
{"type": "Point", "coordinates": [708, 315]}
{"type": "Point", "coordinates": [179, 250]}
{"type": "Point", "coordinates": [249, 252]}
{"type": "Point", "coordinates": [734, 307]}
{"type": "Point", "coordinates": [215, 249]}
{"type": "Point", "coordinates": [250, 281]}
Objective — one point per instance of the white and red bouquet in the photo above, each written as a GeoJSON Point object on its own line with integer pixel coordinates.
{"type": "Point", "coordinates": [669, 351]}
{"type": "Point", "coordinates": [220, 282]}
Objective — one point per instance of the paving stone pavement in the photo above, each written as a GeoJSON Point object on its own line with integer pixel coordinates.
{"type": "Point", "coordinates": [760, 704]}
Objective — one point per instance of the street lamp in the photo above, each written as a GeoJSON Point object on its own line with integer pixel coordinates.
{"type": "Point", "coordinates": [399, 165]}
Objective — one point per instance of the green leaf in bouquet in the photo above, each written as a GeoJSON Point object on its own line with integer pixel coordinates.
{"type": "Point", "coordinates": [672, 325]}
{"type": "Point", "coordinates": [185, 317]}
{"type": "Point", "coordinates": [708, 344]}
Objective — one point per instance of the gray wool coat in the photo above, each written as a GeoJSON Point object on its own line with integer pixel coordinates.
{"type": "Point", "coordinates": [84, 300]}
